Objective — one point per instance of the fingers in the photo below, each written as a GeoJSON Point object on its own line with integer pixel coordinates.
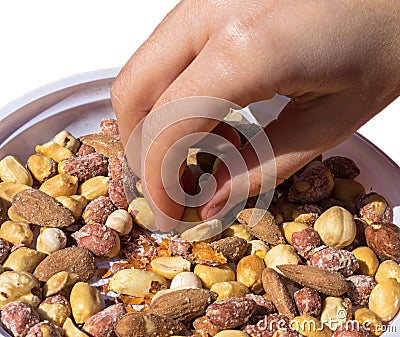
{"type": "Point", "coordinates": [298, 135]}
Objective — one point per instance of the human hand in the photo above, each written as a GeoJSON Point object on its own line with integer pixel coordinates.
{"type": "Point", "coordinates": [337, 60]}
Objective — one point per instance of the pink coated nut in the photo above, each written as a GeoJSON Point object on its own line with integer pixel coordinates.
{"type": "Point", "coordinates": [308, 301]}
{"type": "Point", "coordinates": [18, 318]}
{"type": "Point", "coordinates": [334, 259]}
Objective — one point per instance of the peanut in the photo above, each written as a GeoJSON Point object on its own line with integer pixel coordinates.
{"type": "Point", "coordinates": [333, 313]}
{"type": "Point", "coordinates": [142, 214]}
{"type": "Point", "coordinates": [59, 282]}
{"type": "Point", "coordinates": [231, 333]}
{"type": "Point", "coordinates": [289, 228]}
{"type": "Point", "coordinates": [370, 321]}
{"type": "Point", "coordinates": [384, 300]}
{"type": "Point", "coordinates": [75, 203]}
{"type": "Point", "coordinates": [12, 170]}
{"type": "Point", "coordinates": [16, 233]}
{"type": "Point", "coordinates": [65, 139]}
{"type": "Point", "coordinates": [238, 230]}
{"type": "Point", "coordinates": [60, 185]}
{"type": "Point", "coordinates": [211, 275]}
{"type": "Point", "coordinates": [24, 259]}
{"type": "Point", "coordinates": [14, 216]}
{"type": "Point", "coordinates": [41, 167]}
{"type": "Point", "coordinates": [204, 231]}
{"type": "Point", "coordinates": [229, 289]}
{"type": "Point", "coordinates": [387, 269]}
{"type": "Point", "coordinates": [54, 151]}
{"type": "Point", "coordinates": [185, 279]}
{"type": "Point", "coordinates": [85, 302]}
{"type": "Point", "coordinates": [249, 272]}
{"type": "Point", "coordinates": [170, 266]}
{"type": "Point", "coordinates": [309, 326]}
{"type": "Point", "coordinates": [8, 190]}
{"type": "Point", "coordinates": [367, 261]}
{"type": "Point", "coordinates": [94, 187]}
{"type": "Point", "coordinates": [70, 330]}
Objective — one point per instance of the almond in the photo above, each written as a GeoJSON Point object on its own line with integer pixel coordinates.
{"type": "Point", "coordinates": [41, 209]}
{"type": "Point", "coordinates": [139, 324]}
{"type": "Point", "coordinates": [325, 281]}
{"type": "Point", "coordinates": [183, 305]}
{"type": "Point", "coordinates": [74, 260]}
{"type": "Point", "coordinates": [106, 145]}
{"type": "Point", "coordinates": [278, 293]}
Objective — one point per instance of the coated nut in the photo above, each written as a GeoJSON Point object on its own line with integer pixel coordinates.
{"type": "Point", "coordinates": [367, 261]}
{"type": "Point", "coordinates": [85, 302]}
{"type": "Point", "coordinates": [360, 287]}
{"type": "Point", "coordinates": [18, 233]}
{"type": "Point", "coordinates": [109, 127]}
{"type": "Point", "coordinates": [281, 254]}
{"type": "Point", "coordinates": [233, 248]}
{"type": "Point", "coordinates": [70, 330]}
{"type": "Point", "coordinates": [384, 300]}
{"type": "Point", "coordinates": [85, 149]}
{"type": "Point", "coordinates": [257, 247]}
{"type": "Point", "coordinates": [342, 167]}
{"type": "Point", "coordinates": [55, 309]}
{"type": "Point", "coordinates": [45, 329]}
{"type": "Point", "coordinates": [370, 321]}
{"type": "Point", "coordinates": [59, 283]}
{"type": "Point", "coordinates": [384, 240]}
{"type": "Point", "coordinates": [18, 318]}
{"type": "Point", "coordinates": [350, 328]}
{"type": "Point", "coordinates": [229, 289]}
{"type": "Point", "coordinates": [249, 272]}
{"type": "Point", "coordinates": [334, 259]}
{"type": "Point", "coordinates": [5, 249]}
{"type": "Point", "coordinates": [117, 195]}
{"type": "Point", "coordinates": [335, 311]}
{"type": "Point", "coordinates": [98, 210]}
{"type": "Point", "coordinates": [50, 240]}
{"type": "Point", "coordinates": [307, 214]}
{"type": "Point", "coordinates": [75, 203]}
{"type": "Point", "coordinates": [84, 167]}
{"type": "Point", "coordinates": [94, 187]}
{"type": "Point", "coordinates": [309, 326]}
{"type": "Point", "coordinates": [308, 301]}
{"type": "Point", "coordinates": [120, 221]}
{"type": "Point", "coordinates": [306, 241]}
{"type": "Point", "coordinates": [19, 286]}
{"type": "Point", "coordinates": [54, 151]}
{"type": "Point", "coordinates": [211, 275]}
{"type": "Point", "coordinates": [115, 167]}
{"type": "Point", "coordinates": [185, 279]}
{"type": "Point", "coordinates": [387, 269]}
{"type": "Point", "coordinates": [41, 167]}
{"type": "Point", "coordinates": [134, 282]}
{"type": "Point", "coordinates": [142, 214]}
{"type": "Point", "coordinates": [170, 266]}
{"type": "Point", "coordinates": [23, 259]}
{"type": "Point", "coordinates": [336, 227]}
{"type": "Point", "coordinates": [12, 170]}
{"type": "Point", "coordinates": [65, 139]}
{"type": "Point", "coordinates": [288, 228]}
{"type": "Point", "coordinates": [238, 230]}
{"type": "Point", "coordinates": [373, 208]}
{"type": "Point", "coordinates": [60, 184]}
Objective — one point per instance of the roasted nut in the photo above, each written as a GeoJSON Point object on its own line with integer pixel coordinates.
{"type": "Point", "coordinates": [45, 329]}
{"type": "Point", "coordinates": [208, 230]}
{"type": "Point", "coordinates": [54, 151]}
{"type": "Point", "coordinates": [336, 227]}
{"type": "Point", "coordinates": [288, 228]}
{"type": "Point", "coordinates": [14, 216]}
{"type": "Point", "coordinates": [185, 279]}
{"type": "Point", "coordinates": [350, 329]}
{"type": "Point", "coordinates": [387, 269]}
{"type": "Point", "coordinates": [75, 203]}
{"type": "Point", "coordinates": [307, 214]}
{"type": "Point", "coordinates": [334, 259]}
{"type": "Point", "coordinates": [55, 309]}
{"type": "Point", "coordinates": [360, 287]}
{"type": "Point", "coordinates": [257, 247]}
{"type": "Point", "coordinates": [70, 330]}
{"type": "Point", "coordinates": [61, 184]}
{"type": "Point", "coordinates": [233, 248]}
{"type": "Point", "coordinates": [19, 286]}
{"type": "Point", "coordinates": [306, 241]}
{"type": "Point", "coordinates": [309, 326]}
{"type": "Point", "coordinates": [3, 211]}
{"type": "Point", "coordinates": [272, 325]}
{"type": "Point", "coordinates": [249, 272]}
{"type": "Point", "coordinates": [94, 187]}
{"type": "Point", "coordinates": [84, 167]}
{"type": "Point", "coordinates": [203, 326]}
{"type": "Point", "coordinates": [231, 313]}
{"type": "Point", "coordinates": [231, 333]}
{"type": "Point", "coordinates": [367, 261]}
{"type": "Point", "coordinates": [18, 318]}
{"type": "Point", "coordinates": [384, 240]}
{"type": "Point", "coordinates": [65, 139]}
{"type": "Point", "coordinates": [109, 127]}
{"type": "Point", "coordinates": [331, 202]}
{"type": "Point", "coordinates": [370, 321]}
{"type": "Point", "coordinates": [23, 259]}
{"type": "Point", "coordinates": [85, 302]}
{"type": "Point", "coordinates": [384, 300]}
{"type": "Point", "coordinates": [264, 306]}
{"type": "Point", "coordinates": [229, 289]}
{"type": "Point", "coordinates": [134, 282]}
{"type": "Point", "coordinates": [286, 208]}
{"type": "Point", "coordinates": [85, 149]}
{"type": "Point", "coordinates": [59, 283]}
{"type": "Point", "coordinates": [42, 167]}
{"type": "Point", "coordinates": [4, 250]}
{"type": "Point", "coordinates": [359, 240]}
{"type": "Point", "coordinates": [170, 266]}
{"type": "Point", "coordinates": [9, 190]}
{"type": "Point", "coordinates": [120, 221]}
{"type": "Point", "coordinates": [98, 210]}
{"type": "Point", "coordinates": [12, 170]}
{"type": "Point", "coordinates": [342, 167]}
{"type": "Point", "coordinates": [347, 190]}
{"type": "Point", "coordinates": [50, 240]}
{"type": "Point", "coordinates": [314, 183]}
{"type": "Point", "coordinates": [281, 254]}
{"type": "Point", "coordinates": [99, 239]}
{"type": "Point", "coordinates": [18, 233]}
{"type": "Point", "coordinates": [308, 301]}
{"type": "Point", "coordinates": [106, 145]}
{"type": "Point", "coordinates": [238, 230]}
{"type": "Point", "coordinates": [180, 247]}
{"type": "Point", "coordinates": [115, 167]}
{"type": "Point", "coordinates": [142, 214]}
{"type": "Point", "coordinates": [372, 207]}
{"type": "Point", "coordinates": [211, 275]}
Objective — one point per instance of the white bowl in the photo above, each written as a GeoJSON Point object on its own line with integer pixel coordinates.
{"type": "Point", "coordinates": [78, 103]}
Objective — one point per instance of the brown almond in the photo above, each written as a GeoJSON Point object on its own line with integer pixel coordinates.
{"type": "Point", "coordinates": [41, 209]}
{"type": "Point", "coordinates": [105, 145]}
{"type": "Point", "coordinates": [139, 324]}
{"type": "Point", "coordinates": [278, 293]}
{"type": "Point", "coordinates": [74, 260]}
{"type": "Point", "coordinates": [183, 305]}
{"type": "Point", "coordinates": [262, 225]}
{"type": "Point", "coordinates": [325, 281]}
{"type": "Point", "coordinates": [233, 248]}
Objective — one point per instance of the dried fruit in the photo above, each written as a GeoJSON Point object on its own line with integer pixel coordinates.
{"type": "Point", "coordinates": [41, 209]}
{"type": "Point", "coordinates": [18, 318]}
{"type": "Point", "coordinates": [278, 292]}
{"type": "Point", "coordinates": [262, 225]}
{"type": "Point", "coordinates": [233, 248]}
{"type": "Point", "coordinates": [342, 167]}
{"type": "Point", "coordinates": [106, 145]}
{"type": "Point", "coordinates": [85, 167]}
{"type": "Point", "coordinates": [384, 240]}
{"type": "Point", "coordinates": [183, 305]}
{"type": "Point", "coordinates": [325, 281]}
{"type": "Point", "coordinates": [103, 323]}
{"type": "Point", "coordinates": [98, 210]}
{"type": "Point", "coordinates": [74, 260]}
{"type": "Point", "coordinates": [231, 313]}
{"type": "Point", "coordinates": [308, 301]}
{"type": "Point", "coordinates": [306, 241]}
{"type": "Point", "coordinates": [334, 259]}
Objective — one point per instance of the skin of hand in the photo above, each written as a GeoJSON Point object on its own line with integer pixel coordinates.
{"type": "Point", "coordinates": [337, 60]}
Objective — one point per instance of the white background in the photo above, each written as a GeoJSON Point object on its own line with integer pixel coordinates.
{"type": "Point", "coordinates": [43, 41]}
